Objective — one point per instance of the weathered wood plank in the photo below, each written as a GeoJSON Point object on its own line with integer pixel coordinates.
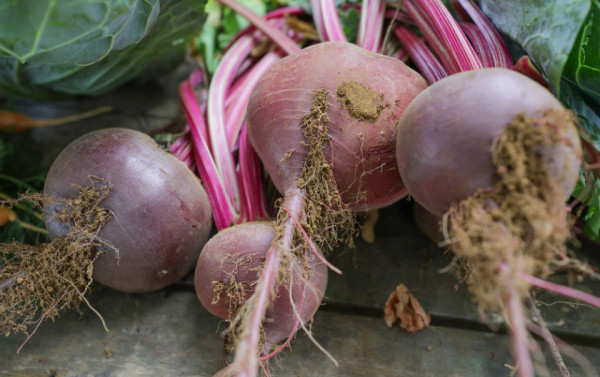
{"type": "Point", "coordinates": [402, 255]}
{"type": "Point", "coordinates": [154, 335]}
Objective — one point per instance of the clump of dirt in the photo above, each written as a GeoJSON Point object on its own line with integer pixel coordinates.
{"type": "Point", "coordinates": [361, 102]}
{"type": "Point", "coordinates": [522, 224]}
{"type": "Point", "coordinates": [50, 277]}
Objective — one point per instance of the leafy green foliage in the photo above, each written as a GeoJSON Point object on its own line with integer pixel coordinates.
{"type": "Point", "coordinates": [546, 29]}
{"type": "Point", "coordinates": [582, 69]}
{"type": "Point", "coordinates": [52, 47]}
{"type": "Point", "coordinates": [350, 20]}
{"type": "Point", "coordinates": [221, 26]}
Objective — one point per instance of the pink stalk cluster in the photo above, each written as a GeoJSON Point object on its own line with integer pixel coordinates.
{"type": "Point", "coordinates": [216, 143]}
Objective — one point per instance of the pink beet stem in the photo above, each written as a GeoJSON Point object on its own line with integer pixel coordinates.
{"type": "Point", "coordinates": [245, 363]}
{"type": "Point", "coordinates": [421, 55]}
{"type": "Point", "coordinates": [41, 320]}
{"type": "Point", "coordinates": [296, 322]}
{"type": "Point", "coordinates": [562, 290]}
{"type": "Point", "coordinates": [236, 112]}
{"type": "Point", "coordinates": [478, 42]}
{"type": "Point", "coordinates": [312, 245]}
{"type": "Point", "coordinates": [371, 24]}
{"type": "Point", "coordinates": [518, 333]}
{"type": "Point", "coordinates": [588, 369]}
{"type": "Point", "coordinates": [280, 38]}
{"type": "Point", "coordinates": [444, 34]}
{"type": "Point", "coordinates": [252, 190]}
{"type": "Point", "coordinates": [224, 213]}
{"type": "Point", "coordinates": [494, 42]}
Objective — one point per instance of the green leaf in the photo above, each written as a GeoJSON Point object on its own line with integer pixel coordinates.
{"type": "Point", "coordinates": [592, 214]}
{"type": "Point", "coordinates": [583, 66]}
{"type": "Point", "coordinates": [546, 29]}
{"type": "Point", "coordinates": [106, 43]}
{"type": "Point", "coordinates": [574, 99]}
{"type": "Point", "coordinates": [350, 20]}
{"type": "Point", "coordinates": [72, 31]}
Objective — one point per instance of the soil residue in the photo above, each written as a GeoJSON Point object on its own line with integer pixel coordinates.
{"type": "Point", "coordinates": [52, 276]}
{"type": "Point", "coordinates": [329, 220]}
{"type": "Point", "coordinates": [361, 102]}
{"type": "Point", "coordinates": [522, 224]}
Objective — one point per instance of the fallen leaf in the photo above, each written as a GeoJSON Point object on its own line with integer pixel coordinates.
{"type": "Point", "coordinates": [404, 306]}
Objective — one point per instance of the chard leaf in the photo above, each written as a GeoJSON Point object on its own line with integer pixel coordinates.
{"type": "Point", "coordinates": [72, 31]}
{"type": "Point", "coordinates": [350, 20]}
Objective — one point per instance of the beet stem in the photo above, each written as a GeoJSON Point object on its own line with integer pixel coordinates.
{"type": "Point", "coordinates": [276, 35]}
{"type": "Point", "coordinates": [245, 362]}
{"type": "Point", "coordinates": [588, 369]}
{"type": "Point", "coordinates": [518, 331]}
{"type": "Point", "coordinates": [562, 290]}
{"type": "Point", "coordinates": [312, 245]}
{"type": "Point", "coordinates": [41, 320]}
{"type": "Point", "coordinates": [296, 322]}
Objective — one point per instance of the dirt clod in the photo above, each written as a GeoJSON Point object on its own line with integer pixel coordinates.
{"type": "Point", "coordinates": [361, 102]}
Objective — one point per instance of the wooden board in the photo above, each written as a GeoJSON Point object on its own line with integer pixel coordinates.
{"type": "Point", "coordinates": [402, 255]}
{"type": "Point", "coordinates": [160, 334]}
{"type": "Point", "coordinates": [168, 333]}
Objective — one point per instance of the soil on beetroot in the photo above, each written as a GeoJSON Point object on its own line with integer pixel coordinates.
{"type": "Point", "coordinates": [329, 220]}
{"type": "Point", "coordinates": [361, 102]}
{"type": "Point", "coordinates": [522, 223]}
{"type": "Point", "coordinates": [37, 282]}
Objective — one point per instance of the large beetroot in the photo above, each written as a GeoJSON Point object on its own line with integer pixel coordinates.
{"type": "Point", "coordinates": [365, 94]}
{"type": "Point", "coordinates": [120, 210]}
{"type": "Point", "coordinates": [446, 137]}
{"type": "Point", "coordinates": [161, 216]}
{"type": "Point", "coordinates": [497, 155]}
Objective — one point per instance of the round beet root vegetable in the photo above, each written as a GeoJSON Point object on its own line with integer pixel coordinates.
{"type": "Point", "coordinates": [161, 217]}
{"type": "Point", "coordinates": [497, 155]}
{"type": "Point", "coordinates": [445, 138]}
{"type": "Point", "coordinates": [365, 96]}
{"type": "Point", "coordinates": [228, 267]}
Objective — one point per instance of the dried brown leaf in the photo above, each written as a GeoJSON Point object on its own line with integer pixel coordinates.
{"type": "Point", "coordinates": [404, 306]}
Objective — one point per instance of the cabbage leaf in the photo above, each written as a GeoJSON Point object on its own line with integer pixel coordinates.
{"type": "Point", "coordinates": [50, 48]}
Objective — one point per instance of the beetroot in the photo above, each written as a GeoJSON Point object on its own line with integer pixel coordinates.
{"type": "Point", "coordinates": [497, 155]}
{"type": "Point", "coordinates": [446, 135]}
{"type": "Point", "coordinates": [366, 96]}
{"type": "Point", "coordinates": [228, 267]}
{"type": "Point", "coordinates": [161, 216]}
{"type": "Point", "coordinates": [323, 121]}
